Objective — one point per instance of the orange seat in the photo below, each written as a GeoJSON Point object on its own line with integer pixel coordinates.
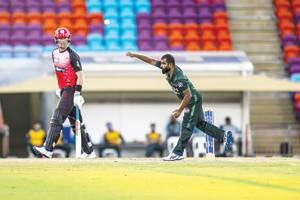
{"type": "Point", "coordinates": [48, 16]}
{"type": "Point", "coordinates": [192, 36]}
{"type": "Point", "coordinates": [175, 27]}
{"type": "Point", "coordinates": [34, 17]}
{"type": "Point", "coordinates": [221, 15]}
{"type": "Point", "coordinates": [96, 18]}
{"type": "Point", "coordinates": [193, 46]}
{"type": "Point", "coordinates": [286, 25]}
{"type": "Point", "coordinates": [206, 27]}
{"type": "Point", "coordinates": [4, 17]}
{"type": "Point", "coordinates": [81, 27]}
{"type": "Point", "coordinates": [223, 35]}
{"type": "Point", "coordinates": [176, 38]}
{"type": "Point", "coordinates": [160, 29]}
{"type": "Point", "coordinates": [284, 14]}
{"type": "Point", "coordinates": [297, 97]}
{"type": "Point", "coordinates": [208, 35]}
{"type": "Point", "coordinates": [221, 25]}
{"type": "Point", "coordinates": [66, 23]}
{"type": "Point", "coordinates": [191, 27]}
{"type": "Point", "coordinates": [79, 6]}
{"type": "Point", "coordinates": [79, 16]}
{"type": "Point", "coordinates": [282, 4]}
{"type": "Point", "coordinates": [50, 26]}
{"type": "Point", "coordinates": [19, 17]}
{"type": "Point", "coordinates": [290, 51]}
{"type": "Point", "coordinates": [65, 16]}
{"type": "Point", "coordinates": [225, 46]}
{"type": "Point", "coordinates": [283, 33]}
{"type": "Point", "coordinates": [209, 46]}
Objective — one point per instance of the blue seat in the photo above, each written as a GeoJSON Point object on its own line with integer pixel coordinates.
{"type": "Point", "coordinates": [111, 12]}
{"type": "Point", "coordinates": [81, 48]}
{"type": "Point", "coordinates": [127, 12]}
{"type": "Point", "coordinates": [110, 3]}
{"type": "Point", "coordinates": [94, 9]}
{"type": "Point", "coordinates": [95, 42]}
{"type": "Point", "coordinates": [128, 35]}
{"type": "Point", "coordinates": [21, 51]}
{"type": "Point", "coordinates": [6, 51]}
{"type": "Point", "coordinates": [94, 5]}
{"type": "Point", "coordinates": [126, 3]}
{"type": "Point", "coordinates": [49, 48]}
{"type": "Point", "coordinates": [143, 9]}
{"type": "Point", "coordinates": [129, 45]}
{"type": "Point", "coordinates": [95, 37]}
{"type": "Point", "coordinates": [295, 77]}
{"type": "Point", "coordinates": [111, 23]}
{"type": "Point", "coordinates": [35, 51]}
{"type": "Point", "coordinates": [113, 46]}
{"type": "Point", "coordinates": [92, 1]}
{"type": "Point", "coordinates": [112, 35]}
{"type": "Point", "coordinates": [128, 24]}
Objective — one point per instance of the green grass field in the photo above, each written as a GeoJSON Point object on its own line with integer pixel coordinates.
{"type": "Point", "coordinates": [140, 178]}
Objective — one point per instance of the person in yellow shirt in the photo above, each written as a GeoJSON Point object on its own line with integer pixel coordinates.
{"type": "Point", "coordinates": [111, 139]}
{"type": "Point", "coordinates": [153, 142]}
{"type": "Point", "coordinates": [35, 136]}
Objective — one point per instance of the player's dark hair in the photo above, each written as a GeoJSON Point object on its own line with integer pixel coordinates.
{"type": "Point", "coordinates": [169, 58]}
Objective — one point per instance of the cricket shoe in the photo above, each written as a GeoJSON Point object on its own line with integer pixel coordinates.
{"type": "Point", "coordinates": [228, 140]}
{"type": "Point", "coordinates": [85, 155]}
{"type": "Point", "coordinates": [173, 157]}
{"type": "Point", "coordinates": [42, 152]}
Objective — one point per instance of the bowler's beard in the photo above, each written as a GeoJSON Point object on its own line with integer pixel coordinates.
{"type": "Point", "coordinates": [165, 70]}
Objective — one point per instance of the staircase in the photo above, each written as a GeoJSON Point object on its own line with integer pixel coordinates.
{"type": "Point", "coordinates": [254, 31]}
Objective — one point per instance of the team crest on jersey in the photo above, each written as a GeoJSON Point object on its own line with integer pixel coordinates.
{"type": "Point", "coordinates": [186, 110]}
{"type": "Point", "coordinates": [179, 84]}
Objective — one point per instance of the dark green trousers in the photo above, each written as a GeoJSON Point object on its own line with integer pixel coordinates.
{"type": "Point", "coordinates": [194, 116]}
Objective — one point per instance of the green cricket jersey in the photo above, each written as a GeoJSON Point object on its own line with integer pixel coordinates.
{"type": "Point", "coordinates": [180, 82]}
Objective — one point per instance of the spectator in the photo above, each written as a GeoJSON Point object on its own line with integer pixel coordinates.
{"type": "Point", "coordinates": [4, 135]}
{"type": "Point", "coordinates": [63, 146]}
{"type": "Point", "coordinates": [237, 134]}
{"type": "Point", "coordinates": [153, 142]}
{"type": "Point", "coordinates": [112, 139]}
{"type": "Point", "coordinates": [173, 128]}
{"type": "Point", "coordinates": [35, 136]}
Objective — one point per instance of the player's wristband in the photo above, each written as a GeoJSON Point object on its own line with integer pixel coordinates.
{"type": "Point", "coordinates": [78, 88]}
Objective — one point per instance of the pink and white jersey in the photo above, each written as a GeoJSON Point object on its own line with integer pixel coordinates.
{"type": "Point", "coordinates": [66, 64]}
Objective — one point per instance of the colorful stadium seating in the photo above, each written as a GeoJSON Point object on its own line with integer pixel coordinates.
{"type": "Point", "coordinates": [98, 25]}
{"type": "Point", "coordinates": [288, 21]}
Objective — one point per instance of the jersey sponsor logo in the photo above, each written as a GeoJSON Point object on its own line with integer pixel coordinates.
{"type": "Point", "coordinates": [59, 69]}
{"type": "Point", "coordinates": [175, 90]}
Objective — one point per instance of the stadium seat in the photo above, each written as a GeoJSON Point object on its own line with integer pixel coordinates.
{"type": "Point", "coordinates": [35, 51]}
{"type": "Point", "coordinates": [20, 51]}
{"type": "Point", "coordinates": [6, 51]}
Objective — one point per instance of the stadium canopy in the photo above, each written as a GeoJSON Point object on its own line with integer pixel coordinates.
{"type": "Point", "coordinates": [209, 71]}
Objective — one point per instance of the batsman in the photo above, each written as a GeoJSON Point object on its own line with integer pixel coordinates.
{"type": "Point", "coordinates": [191, 105]}
{"type": "Point", "coordinates": [69, 75]}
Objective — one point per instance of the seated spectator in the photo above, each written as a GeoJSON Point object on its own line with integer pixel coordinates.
{"type": "Point", "coordinates": [4, 136]}
{"type": "Point", "coordinates": [63, 146]}
{"type": "Point", "coordinates": [35, 136]}
{"type": "Point", "coordinates": [112, 139]}
{"type": "Point", "coordinates": [236, 132]}
{"type": "Point", "coordinates": [173, 128]}
{"type": "Point", "coordinates": [153, 142]}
